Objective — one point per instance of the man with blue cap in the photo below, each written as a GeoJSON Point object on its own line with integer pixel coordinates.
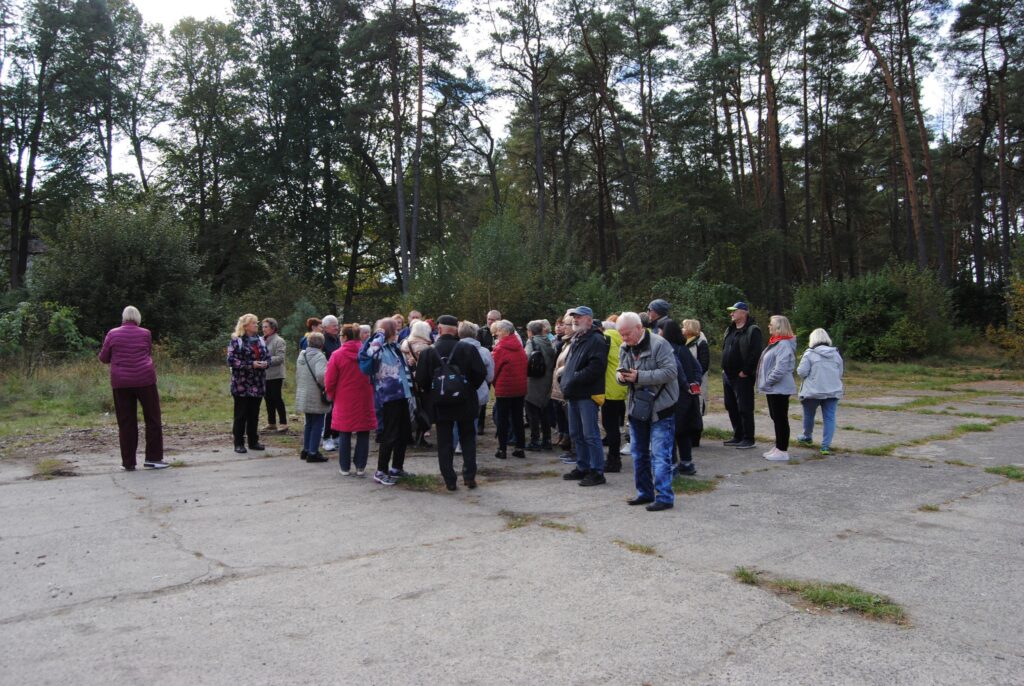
{"type": "Point", "coordinates": [657, 314]}
{"type": "Point", "coordinates": [582, 379]}
{"type": "Point", "coordinates": [741, 351]}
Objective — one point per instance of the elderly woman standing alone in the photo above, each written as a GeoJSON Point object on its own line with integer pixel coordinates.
{"type": "Point", "coordinates": [248, 358]}
{"type": "Point", "coordinates": [128, 350]}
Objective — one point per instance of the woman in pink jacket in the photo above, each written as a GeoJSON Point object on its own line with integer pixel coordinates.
{"type": "Point", "coordinates": [352, 395]}
{"type": "Point", "coordinates": [128, 350]}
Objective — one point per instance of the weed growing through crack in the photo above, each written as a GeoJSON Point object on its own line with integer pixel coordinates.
{"type": "Point", "coordinates": [179, 463]}
{"type": "Point", "coordinates": [690, 486]}
{"type": "Point", "coordinates": [50, 468]}
{"type": "Point", "coordinates": [425, 483]}
{"type": "Point", "coordinates": [928, 508]}
{"type": "Point", "coordinates": [826, 595]}
{"type": "Point", "coordinates": [1009, 471]}
{"type": "Point", "coordinates": [638, 548]}
{"type": "Point", "coordinates": [559, 526]}
{"type": "Point", "coordinates": [517, 520]}
{"type": "Point", "coordinates": [959, 463]}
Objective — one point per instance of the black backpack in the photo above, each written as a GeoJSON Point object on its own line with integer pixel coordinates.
{"type": "Point", "coordinates": [536, 367]}
{"type": "Point", "coordinates": [449, 385]}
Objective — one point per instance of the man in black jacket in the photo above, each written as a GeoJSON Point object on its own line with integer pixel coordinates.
{"type": "Point", "coordinates": [741, 350]}
{"type": "Point", "coordinates": [464, 411]}
{"type": "Point", "coordinates": [583, 378]}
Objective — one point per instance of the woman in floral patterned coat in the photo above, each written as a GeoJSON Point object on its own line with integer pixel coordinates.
{"type": "Point", "coordinates": [248, 358]}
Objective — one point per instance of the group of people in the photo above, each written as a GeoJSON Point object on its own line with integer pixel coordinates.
{"type": "Point", "coordinates": [563, 384]}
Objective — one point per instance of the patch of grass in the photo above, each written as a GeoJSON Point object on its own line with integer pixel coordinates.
{"type": "Point", "coordinates": [928, 508]}
{"type": "Point", "coordinates": [716, 434]}
{"type": "Point", "coordinates": [559, 526]}
{"type": "Point", "coordinates": [882, 450]}
{"type": "Point", "coordinates": [179, 463]}
{"type": "Point", "coordinates": [1009, 471]}
{"type": "Point", "coordinates": [638, 548]}
{"type": "Point", "coordinates": [424, 483]}
{"type": "Point", "coordinates": [687, 485]}
{"type": "Point", "coordinates": [517, 520]}
{"type": "Point", "coordinates": [959, 463]}
{"type": "Point", "coordinates": [50, 468]}
{"type": "Point", "coordinates": [971, 428]}
{"type": "Point", "coordinates": [826, 595]}
{"type": "Point", "coordinates": [745, 576]}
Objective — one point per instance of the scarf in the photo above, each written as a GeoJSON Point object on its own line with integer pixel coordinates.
{"type": "Point", "coordinates": [776, 338]}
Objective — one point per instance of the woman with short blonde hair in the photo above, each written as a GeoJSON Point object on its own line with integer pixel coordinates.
{"type": "Point", "coordinates": [775, 380]}
{"type": "Point", "coordinates": [248, 358]}
{"type": "Point", "coordinates": [697, 344]}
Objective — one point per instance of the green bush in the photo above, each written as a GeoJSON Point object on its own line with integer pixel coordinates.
{"type": "Point", "coordinates": [127, 253]}
{"type": "Point", "coordinates": [693, 299]}
{"type": "Point", "coordinates": [34, 330]}
{"type": "Point", "coordinates": [895, 314]}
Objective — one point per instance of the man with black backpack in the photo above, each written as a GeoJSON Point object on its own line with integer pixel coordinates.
{"type": "Point", "coordinates": [540, 368]}
{"type": "Point", "coordinates": [450, 373]}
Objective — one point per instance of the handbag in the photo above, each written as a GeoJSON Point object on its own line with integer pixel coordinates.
{"type": "Point", "coordinates": [323, 392]}
{"type": "Point", "coordinates": [643, 404]}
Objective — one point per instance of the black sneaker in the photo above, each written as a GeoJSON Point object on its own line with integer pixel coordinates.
{"type": "Point", "coordinates": [471, 484]}
{"type": "Point", "coordinates": [639, 501]}
{"type": "Point", "coordinates": [593, 479]}
{"type": "Point", "coordinates": [303, 455]}
{"type": "Point", "coordinates": [732, 442]}
{"type": "Point", "coordinates": [518, 453]}
{"type": "Point", "coordinates": [257, 446]}
{"type": "Point", "coordinates": [612, 467]}
{"type": "Point", "coordinates": [155, 464]}
{"type": "Point", "coordinates": [501, 455]}
{"type": "Point", "coordinates": [687, 468]}
{"type": "Point", "coordinates": [745, 445]}
{"type": "Point", "coordinates": [240, 449]}
{"type": "Point", "coordinates": [452, 486]}
{"type": "Point", "coordinates": [316, 457]}
{"type": "Point", "coordinates": [128, 468]}
{"type": "Point", "coordinates": [574, 475]}
{"type": "Point", "coordinates": [658, 507]}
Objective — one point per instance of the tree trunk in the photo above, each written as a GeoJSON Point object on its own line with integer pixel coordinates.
{"type": "Point", "coordinates": [398, 170]}
{"type": "Point", "coordinates": [417, 175]}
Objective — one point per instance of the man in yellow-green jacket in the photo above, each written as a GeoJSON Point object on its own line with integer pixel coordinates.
{"type": "Point", "coordinates": [613, 412]}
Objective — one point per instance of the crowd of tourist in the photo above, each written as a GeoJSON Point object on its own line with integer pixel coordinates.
{"type": "Point", "coordinates": [573, 387]}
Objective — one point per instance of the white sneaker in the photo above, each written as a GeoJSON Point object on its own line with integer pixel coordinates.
{"type": "Point", "coordinates": [458, 449]}
{"type": "Point", "coordinates": [771, 453]}
{"type": "Point", "coordinates": [330, 445]}
{"type": "Point", "coordinates": [360, 472]}
{"type": "Point", "coordinates": [779, 456]}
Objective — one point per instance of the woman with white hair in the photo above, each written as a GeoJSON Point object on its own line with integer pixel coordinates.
{"type": "Point", "coordinates": [248, 358]}
{"type": "Point", "coordinates": [821, 369]}
{"type": "Point", "coordinates": [128, 349]}
{"type": "Point", "coordinates": [775, 380]}
{"type": "Point", "coordinates": [412, 347]}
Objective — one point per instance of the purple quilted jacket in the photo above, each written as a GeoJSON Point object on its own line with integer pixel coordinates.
{"type": "Point", "coordinates": [128, 350]}
{"type": "Point", "coordinates": [246, 380]}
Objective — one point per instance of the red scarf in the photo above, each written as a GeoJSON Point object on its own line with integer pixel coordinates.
{"type": "Point", "coordinates": [776, 338]}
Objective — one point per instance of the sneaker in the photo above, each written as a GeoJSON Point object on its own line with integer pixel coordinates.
{"type": "Point", "coordinates": [397, 474]}
{"type": "Point", "coordinates": [282, 429]}
{"type": "Point", "coordinates": [257, 446]}
{"type": "Point", "coordinates": [128, 469]}
{"type": "Point", "coordinates": [567, 458]}
{"type": "Point", "coordinates": [383, 479]}
{"type": "Point", "coordinates": [269, 427]}
{"type": "Point", "coordinates": [343, 471]}
{"type": "Point", "coordinates": [574, 475]}
{"type": "Point", "coordinates": [687, 468]}
{"type": "Point", "coordinates": [155, 464]}
{"type": "Point", "coordinates": [745, 445]}
{"type": "Point", "coordinates": [240, 449]}
{"type": "Point", "coordinates": [471, 484]}
{"type": "Point", "coordinates": [316, 457]}
{"type": "Point", "coordinates": [825, 452]}
{"type": "Point", "coordinates": [360, 472]}
{"type": "Point", "coordinates": [500, 454]}
{"type": "Point", "coordinates": [624, 449]}
{"type": "Point", "coordinates": [779, 456]}
{"type": "Point", "coordinates": [771, 453]}
{"type": "Point", "coordinates": [518, 453]}
{"type": "Point", "coordinates": [732, 442]}
{"type": "Point", "coordinates": [458, 449]}
{"type": "Point", "coordinates": [330, 445]}
{"type": "Point", "coordinates": [593, 479]}
{"type": "Point", "coordinates": [303, 455]}
{"type": "Point", "coordinates": [803, 439]}
{"type": "Point", "coordinates": [658, 506]}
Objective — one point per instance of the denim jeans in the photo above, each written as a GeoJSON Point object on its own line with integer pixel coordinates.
{"type": "Point", "coordinates": [311, 433]}
{"type": "Point", "coordinates": [828, 414]}
{"type": "Point", "coordinates": [651, 442]}
{"type": "Point", "coordinates": [586, 435]}
{"type": "Point", "coordinates": [345, 449]}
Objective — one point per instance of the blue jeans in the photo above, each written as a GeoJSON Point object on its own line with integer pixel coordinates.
{"type": "Point", "coordinates": [586, 436]}
{"type": "Point", "coordinates": [345, 449]}
{"type": "Point", "coordinates": [311, 433]}
{"type": "Point", "coordinates": [651, 442]}
{"type": "Point", "coordinates": [828, 415]}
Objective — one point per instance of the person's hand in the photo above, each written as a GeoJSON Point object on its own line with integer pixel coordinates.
{"type": "Point", "coordinates": [629, 376]}
{"type": "Point", "coordinates": [743, 375]}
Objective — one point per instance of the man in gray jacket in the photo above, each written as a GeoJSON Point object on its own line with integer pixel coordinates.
{"type": "Point", "coordinates": [647, 364]}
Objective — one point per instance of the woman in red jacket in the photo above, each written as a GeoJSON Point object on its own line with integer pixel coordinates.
{"type": "Point", "coordinates": [352, 395]}
{"type": "Point", "coordinates": [509, 386]}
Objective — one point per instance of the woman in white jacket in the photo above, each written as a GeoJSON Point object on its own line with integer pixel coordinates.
{"type": "Point", "coordinates": [821, 369]}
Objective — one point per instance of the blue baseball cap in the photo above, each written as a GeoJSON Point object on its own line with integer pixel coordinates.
{"type": "Point", "coordinates": [739, 306]}
{"type": "Point", "coordinates": [581, 311]}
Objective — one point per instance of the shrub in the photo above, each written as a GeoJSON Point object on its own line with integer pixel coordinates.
{"type": "Point", "coordinates": [695, 299]}
{"type": "Point", "coordinates": [1011, 337]}
{"type": "Point", "coordinates": [897, 313]}
{"type": "Point", "coordinates": [34, 330]}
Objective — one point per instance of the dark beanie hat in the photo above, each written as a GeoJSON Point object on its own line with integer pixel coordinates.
{"type": "Point", "coordinates": [659, 306]}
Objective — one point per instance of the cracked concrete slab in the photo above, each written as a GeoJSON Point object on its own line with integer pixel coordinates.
{"type": "Point", "coordinates": [268, 570]}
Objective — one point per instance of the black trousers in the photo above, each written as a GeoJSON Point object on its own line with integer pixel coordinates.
{"type": "Point", "coordinates": [396, 429]}
{"type": "Point", "coordinates": [686, 407]}
{"type": "Point", "coordinates": [778, 410]}
{"type": "Point", "coordinates": [443, 434]}
{"type": "Point", "coordinates": [126, 402]}
{"type": "Point", "coordinates": [612, 414]}
{"type": "Point", "coordinates": [739, 403]}
{"type": "Point", "coordinates": [510, 414]}
{"type": "Point", "coordinates": [247, 420]}
{"type": "Point", "coordinates": [540, 424]}
{"type": "Point", "coordinates": [275, 402]}
{"type": "Point", "coordinates": [328, 431]}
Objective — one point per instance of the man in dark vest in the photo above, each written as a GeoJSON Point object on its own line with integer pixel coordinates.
{"type": "Point", "coordinates": [741, 350]}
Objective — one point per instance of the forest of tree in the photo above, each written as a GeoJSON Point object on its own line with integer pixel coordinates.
{"type": "Point", "coordinates": [348, 146]}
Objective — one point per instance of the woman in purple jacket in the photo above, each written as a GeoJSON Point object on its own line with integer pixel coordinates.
{"type": "Point", "coordinates": [128, 350]}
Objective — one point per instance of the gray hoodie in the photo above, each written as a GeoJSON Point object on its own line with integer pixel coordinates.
{"type": "Point", "coordinates": [483, 392]}
{"type": "Point", "coordinates": [775, 368]}
{"type": "Point", "coordinates": [821, 369]}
